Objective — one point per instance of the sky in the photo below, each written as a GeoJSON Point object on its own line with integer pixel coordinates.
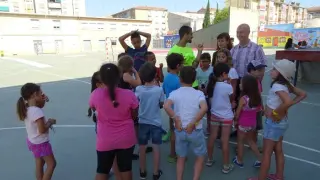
{"type": "Point", "coordinates": [108, 7]}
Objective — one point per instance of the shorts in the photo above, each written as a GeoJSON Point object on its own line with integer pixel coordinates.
{"type": "Point", "coordinates": [196, 140]}
{"type": "Point", "coordinates": [274, 131]}
{"type": "Point", "coordinates": [147, 132]}
{"type": "Point", "coordinates": [40, 150]}
{"type": "Point", "coordinates": [259, 121]}
{"type": "Point", "coordinates": [105, 160]}
{"type": "Point", "coordinates": [246, 128]}
{"type": "Point", "coordinates": [217, 121]}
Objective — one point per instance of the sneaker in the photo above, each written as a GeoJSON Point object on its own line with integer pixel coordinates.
{"type": "Point", "coordinates": [172, 159]}
{"type": "Point", "coordinates": [227, 168]}
{"type": "Point", "coordinates": [236, 162]}
{"type": "Point", "coordinates": [166, 137]}
{"type": "Point", "coordinates": [257, 164]}
{"type": "Point", "coordinates": [135, 156]}
{"type": "Point", "coordinates": [157, 176]}
{"type": "Point", "coordinates": [210, 162]}
{"type": "Point", "coordinates": [143, 175]}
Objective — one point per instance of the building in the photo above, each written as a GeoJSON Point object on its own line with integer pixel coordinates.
{"type": "Point", "coordinates": [158, 16]}
{"type": "Point", "coordinates": [48, 7]}
{"type": "Point", "coordinates": [42, 34]}
{"type": "Point", "coordinates": [273, 12]}
{"type": "Point", "coordinates": [314, 12]}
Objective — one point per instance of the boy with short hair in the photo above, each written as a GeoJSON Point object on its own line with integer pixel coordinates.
{"type": "Point", "coordinates": [171, 82]}
{"type": "Point", "coordinates": [257, 71]}
{"type": "Point", "coordinates": [189, 108]}
{"type": "Point", "coordinates": [138, 51]}
{"type": "Point", "coordinates": [151, 98]}
{"type": "Point", "coordinates": [150, 57]}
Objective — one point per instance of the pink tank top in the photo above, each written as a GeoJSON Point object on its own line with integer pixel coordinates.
{"type": "Point", "coordinates": [248, 115]}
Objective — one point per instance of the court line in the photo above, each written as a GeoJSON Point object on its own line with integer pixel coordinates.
{"type": "Point", "coordinates": [27, 62]}
{"type": "Point", "coordinates": [92, 126]}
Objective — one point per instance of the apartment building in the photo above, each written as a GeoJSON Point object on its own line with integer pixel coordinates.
{"type": "Point", "coordinates": [47, 7]}
{"type": "Point", "coordinates": [273, 11]}
{"type": "Point", "coordinates": [29, 34]}
{"type": "Point", "coordinates": [158, 16]}
{"type": "Point", "coordinates": [314, 12]}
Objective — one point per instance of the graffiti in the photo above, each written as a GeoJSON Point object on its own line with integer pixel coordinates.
{"type": "Point", "coordinates": [310, 35]}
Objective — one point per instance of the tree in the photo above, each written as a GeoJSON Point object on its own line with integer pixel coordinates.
{"type": "Point", "coordinates": [206, 20]}
{"type": "Point", "coordinates": [221, 15]}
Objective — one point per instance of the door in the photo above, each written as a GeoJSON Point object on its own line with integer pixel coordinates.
{"type": "Point", "coordinates": [275, 41]}
{"type": "Point", "coordinates": [37, 44]}
{"type": "Point", "coordinates": [87, 46]}
{"type": "Point", "coordinates": [59, 46]}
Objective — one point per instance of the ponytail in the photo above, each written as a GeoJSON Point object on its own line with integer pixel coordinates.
{"type": "Point", "coordinates": [211, 84]}
{"type": "Point", "coordinates": [112, 94]}
{"type": "Point", "coordinates": [21, 109]}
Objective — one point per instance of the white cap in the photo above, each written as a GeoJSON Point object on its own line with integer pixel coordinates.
{"type": "Point", "coordinates": [286, 68]}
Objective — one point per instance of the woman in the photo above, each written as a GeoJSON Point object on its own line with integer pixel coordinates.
{"type": "Point", "coordinates": [223, 42]}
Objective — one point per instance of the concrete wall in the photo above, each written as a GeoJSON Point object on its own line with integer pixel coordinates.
{"type": "Point", "coordinates": [18, 35]}
{"type": "Point", "coordinates": [208, 36]}
{"type": "Point", "coordinates": [239, 16]}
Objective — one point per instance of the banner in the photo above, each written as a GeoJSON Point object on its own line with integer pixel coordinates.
{"type": "Point", "coordinates": [310, 35]}
{"type": "Point", "coordinates": [170, 41]}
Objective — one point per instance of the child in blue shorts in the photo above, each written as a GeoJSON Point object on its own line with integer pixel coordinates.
{"type": "Point", "coordinates": [151, 98]}
{"type": "Point", "coordinates": [190, 106]}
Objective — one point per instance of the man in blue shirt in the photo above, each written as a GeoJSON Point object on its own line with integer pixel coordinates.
{"type": "Point", "coordinates": [138, 51]}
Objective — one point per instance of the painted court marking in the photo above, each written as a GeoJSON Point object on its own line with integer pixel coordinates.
{"type": "Point", "coordinates": [27, 62]}
{"type": "Point", "coordinates": [92, 126]}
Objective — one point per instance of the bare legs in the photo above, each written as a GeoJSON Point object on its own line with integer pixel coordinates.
{"type": "Point", "coordinates": [51, 165]}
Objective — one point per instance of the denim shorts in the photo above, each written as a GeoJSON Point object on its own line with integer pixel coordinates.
{"type": "Point", "coordinates": [147, 132]}
{"type": "Point", "coordinates": [196, 140]}
{"type": "Point", "coordinates": [274, 131]}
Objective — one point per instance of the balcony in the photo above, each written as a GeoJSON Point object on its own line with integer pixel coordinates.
{"type": "Point", "coordinates": [54, 5]}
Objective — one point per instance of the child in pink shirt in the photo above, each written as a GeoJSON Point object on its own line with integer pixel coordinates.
{"type": "Point", "coordinates": [115, 128]}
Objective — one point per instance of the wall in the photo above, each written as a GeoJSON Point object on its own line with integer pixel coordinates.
{"type": "Point", "coordinates": [239, 16]}
{"type": "Point", "coordinates": [18, 35]}
{"type": "Point", "coordinates": [175, 21]}
{"type": "Point", "coordinates": [208, 36]}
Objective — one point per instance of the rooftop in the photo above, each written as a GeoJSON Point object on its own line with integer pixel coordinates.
{"type": "Point", "coordinates": [314, 9]}
{"type": "Point", "coordinates": [148, 8]}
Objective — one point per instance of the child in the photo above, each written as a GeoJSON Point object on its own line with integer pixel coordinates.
{"type": "Point", "coordinates": [245, 118]}
{"type": "Point", "coordinates": [138, 52]}
{"type": "Point", "coordinates": [171, 82]}
{"type": "Point", "coordinates": [121, 55]}
{"type": "Point", "coordinates": [189, 108]}
{"type": "Point", "coordinates": [223, 42]}
{"type": "Point", "coordinates": [129, 76]}
{"type": "Point", "coordinates": [150, 57]}
{"type": "Point", "coordinates": [258, 72]}
{"type": "Point", "coordinates": [203, 73]}
{"type": "Point", "coordinates": [221, 113]}
{"type": "Point", "coordinates": [151, 98]}
{"type": "Point", "coordinates": [117, 109]}
{"type": "Point", "coordinates": [276, 112]}
{"type": "Point", "coordinates": [29, 110]}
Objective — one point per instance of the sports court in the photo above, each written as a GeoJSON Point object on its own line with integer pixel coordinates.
{"type": "Point", "coordinates": [66, 80]}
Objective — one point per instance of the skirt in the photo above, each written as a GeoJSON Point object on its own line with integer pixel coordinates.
{"type": "Point", "coordinates": [40, 150]}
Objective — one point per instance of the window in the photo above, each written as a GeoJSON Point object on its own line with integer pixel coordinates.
{"type": "Point", "coordinates": [113, 42]}
{"type": "Point", "coordinates": [56, 24]}
{"type": "Point", "coordinates": [35, 23]}
{"type": "Point", "coordinates": [100, 26]}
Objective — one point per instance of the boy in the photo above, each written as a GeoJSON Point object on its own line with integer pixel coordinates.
{"type": "Point", "coordinates": [189, 108]}
{"type": "Point", "coordinates": [151, 98]}
{"type": "Point", "coordinates": [258, 72]}
{"type": "Point", "coordinates": [202, 77]}
{"type": "Point", "coordinates": [138, 51]}
{"type": "Point", "coordinates": [171, 82]}
{"type": "Point", "coordinates": [150, 57]}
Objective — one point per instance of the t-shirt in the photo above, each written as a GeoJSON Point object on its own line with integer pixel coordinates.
{"type": "Point", "coordinates": [186, 101]}
{"type": "Point", "coordinates": [188, 55]}
{"type": "Point", "coordinates": [233, 74]}
{"type": "Point", "coordinates": [170, 83]}
{"type": "Point", "coordinates": [115, 127]}
{"type": "Point", "coordinates": [203, 76]}
{"type": "Point", "coordinates": [33, 114]}
{"type": "Point", "coordinates": [220, 103]}
{"type": "Point", "coordinates": [273, 100]}
{"type": "Point", "coordinates": [259, 86]}
{"type": "Point", "coordinates": [138, 56]}
{"type": "Point", "coordinates": [149, 110]}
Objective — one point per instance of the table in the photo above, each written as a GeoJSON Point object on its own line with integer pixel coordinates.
{"type": "Point", "coordinates": [298, 55]}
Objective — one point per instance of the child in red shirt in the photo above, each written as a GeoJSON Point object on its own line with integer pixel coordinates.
{"type": "Point", "coordinates": [150, 57]}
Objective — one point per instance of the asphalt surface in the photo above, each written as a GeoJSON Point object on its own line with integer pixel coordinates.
{"type": "Point", "coordinates": [66, 80]}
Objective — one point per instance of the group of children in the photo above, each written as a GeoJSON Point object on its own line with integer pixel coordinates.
{"type": "Point", "coordinates": [126, 103]}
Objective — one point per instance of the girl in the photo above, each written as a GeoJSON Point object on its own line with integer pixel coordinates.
{"type": "Point", "coordinates": [245, 118]}
{"type": "Point", "coordinates": [276, 111]}
{"type": "Point", "coordinates": [129, 76]}
{"type": "Point", "coordinates": [220, 93]}
{"type": "Point", "coordinates": [29, 110]}
{"type": "Point", "coordinates": [116, 108]}
{"type": "Point", "coordinates": [223, 42]}
{"type": "Point", "coordinates": [150, 57]}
